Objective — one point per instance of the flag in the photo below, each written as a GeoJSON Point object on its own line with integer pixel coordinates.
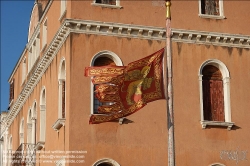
{"type": "Point", "coordinates": [127, 89]}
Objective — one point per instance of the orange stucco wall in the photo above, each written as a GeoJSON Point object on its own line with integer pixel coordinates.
{"type": "Point", "coordinates": [143, 140]}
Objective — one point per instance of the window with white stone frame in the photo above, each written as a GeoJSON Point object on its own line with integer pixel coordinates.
{"type": "Point", "coordinates": [33, 122]}
{"type": "Point", "coordinates": [41, 142]}
{"type": "Point", "coordinates": [211, 9]}
{"type": "Point", "coordinates": [12, 91]}
{"type": "Point", "coordinates": [61, 96]}
{"type": "Point", "coordinates": [34, 51]}
{"type": "Point", "coordinates": [63, 9]}
{"type": "Point", "coordinates": [107, 3]}
{"type": "Point", "coordinates": [44, 39]}
{"type": "Point", "coordinates": [101, 59]}
{"type": "Point", "coordinates": [214, 82]}
{"type": "Point", "coordinates": [21, 132]}
{"type": "Point", "coordinates": [29, 126]}
{"type": "Point", "coordinates": [24, 71]}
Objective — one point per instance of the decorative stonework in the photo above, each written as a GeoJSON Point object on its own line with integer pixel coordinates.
{"type": "Point", "coordinates": [205, 123]}
{"type": "Point", "coordinates": [210, 38]}
{"type": "Point", "coordinates": [117, 30]}
{"type": "Point", "coordinates": [40, 145]}
{"type": "Point", "coordinates": [58, 124]}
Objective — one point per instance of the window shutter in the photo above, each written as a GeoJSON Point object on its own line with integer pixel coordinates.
{"type": "Point", "coordinates": [213, 98]}
{"type": "Point", "coordinates": [210, 7]}
{"type": "Point", "coordinates": [217, 101]}
{"type": "Point", "coordinates": [206, 100]}
{"type": "Point", "coordinates": [63, 99]}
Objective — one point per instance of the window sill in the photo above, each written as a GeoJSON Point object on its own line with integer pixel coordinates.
{"type": "Point", "coordinates": [205, 123]}
{"type": "Point", "coordinates": [58, 124]}
{"type": "Point", "coordinates": [106, 5]}
{"type": "Point", "coordinates": [39, 145]}
{"type": "Point", "coordinates": [211, 16]}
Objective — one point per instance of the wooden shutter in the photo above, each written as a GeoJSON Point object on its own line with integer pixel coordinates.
{"type": "Point", "coordinates": [213, 98]}
{"type": "Point", "coordinates": [210, 7]}
{"type": "Point", "coordinates": [217, 100]}
{"type": "Point", "coordinates": [63, 99]}
{"type": "Point", "coordinates": [206, 100]}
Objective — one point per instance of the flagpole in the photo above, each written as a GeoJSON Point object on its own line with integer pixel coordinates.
{"type": "Point", "coordinates": [170, 116]}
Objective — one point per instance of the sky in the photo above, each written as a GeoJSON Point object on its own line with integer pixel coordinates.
{"type": "Point", "coordinates": [15, 16]}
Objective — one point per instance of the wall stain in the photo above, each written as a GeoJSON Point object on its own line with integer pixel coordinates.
{"type": "Point", "coordinates": [207, 46]}
{"type": "Point", "coordinates": [215, 47]}
{"type": "Point", "coordinates": [158, 41]}
{"type": "Point", "coordinates": [179, 46]}
{"type": "Point", "coordinates": [150, 42]}
{"type": "Point", "coordinates": [230, 50]}
{"type": "Point", "coordinates": [239, 51]}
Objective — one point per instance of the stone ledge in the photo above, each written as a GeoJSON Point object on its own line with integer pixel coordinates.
{"type": "Point", "coordinates": [205, 123]}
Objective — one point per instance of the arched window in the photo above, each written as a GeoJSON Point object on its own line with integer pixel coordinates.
{"type": "Point", "coordinates": [21, 131]}
{"type": "Point", "coordinates": [63, 8]}
{"type": "Point", "coordinates": [102, 58]}
{"type": "Point", "coordinates": [24, 70]}
{"type": "Point", "coordinates": [29, 126]}
{"type": "Point", "coordinates": [42, 119]}
{"type": "Point", "coordinates": [33, 122]}
{"type": "Point", "coordinates": [215, 94]}
{"type": "Point", "coordinates": [61, 96]}
{"type": "Point", "coordinates": [62, 89]}
{"type": "Point", "coordinates": [106, 162]}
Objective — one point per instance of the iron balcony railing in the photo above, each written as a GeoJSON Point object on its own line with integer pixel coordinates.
{"type": "Point", "coordinates": [24, 155]}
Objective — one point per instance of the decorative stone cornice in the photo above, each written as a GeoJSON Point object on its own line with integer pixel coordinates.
{"type": "Point", "coordinates": [210, 38]}
{"type": "Point", "coordinates": [157, 33]}
{"type": "Point", "coordinates": [118, 30]}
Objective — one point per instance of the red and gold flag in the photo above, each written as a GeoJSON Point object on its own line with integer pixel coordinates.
{"type": "Point", "coordinates": [127, 89]}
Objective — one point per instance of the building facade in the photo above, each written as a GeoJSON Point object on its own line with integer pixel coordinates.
{"type": "Point", "coordinates": [51, 100]}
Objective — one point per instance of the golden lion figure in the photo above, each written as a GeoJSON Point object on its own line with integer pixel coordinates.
{"type": "Point", "coordinates": [135, 87]}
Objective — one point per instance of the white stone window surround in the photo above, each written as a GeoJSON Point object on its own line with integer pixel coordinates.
{"type": "Point", "coordinates": [29, 126]}
{"type": "Point", "coordinates": [41, 142]}
{"type": "Point", "coordinates": [24, 71]}
{"type": "Point", "coordinates": [12, 101]}
{"type": "Point", "coordinates": [221, 16]}
{"type": "Point", "coordinates": [217, 164]}
{"type": "Point", "coordinates": [34, 51]}
{"type": "Point", "coordinates": [108, 54]}
{"type": "Point", "coordinates": [61, 77]}
{"type": "Point", "coordinates": [117, 6]}
{"type": "Point", "coordinates": [21, 131]}
{"type": "Point", "coordinates": [33, 122]}
{"type": "Point", "coordinates": [226, 91]}
{"type": "Point", "coordinates": [63, 9]}
{"type": "Point", "coordinates": [45, 30]}
{"type": "Point", "coordinates": [106, 160]}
